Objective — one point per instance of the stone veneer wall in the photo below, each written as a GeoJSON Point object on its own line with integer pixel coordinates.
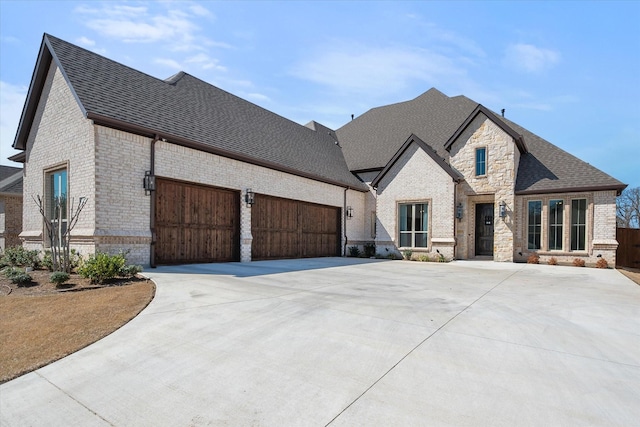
{"type": "Point", "coordinates": [60, 137]}
{"type": "Point", "coordinates": [497, 185]}
{"type": "Point", "coordinates": [10, 220]}
{"type": "Point", "coordinates": [600, 230]}
{"type": "Point", "coordinates": [416, 178]}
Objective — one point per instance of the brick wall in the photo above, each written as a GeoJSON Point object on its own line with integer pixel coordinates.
{"type": "Point", "coordinates": [10, 220]}
{"type": "Point", "coordinates": [416, 178]}
{"type": "Point", "coordinates": [600, 228]}
{"type": "Point", "coordinates": [60, 137]}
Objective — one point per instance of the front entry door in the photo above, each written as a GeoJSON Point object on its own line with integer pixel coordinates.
{"type": "Point", "coordinates": [484, 229]}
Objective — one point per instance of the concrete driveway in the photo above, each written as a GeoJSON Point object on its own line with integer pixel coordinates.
{"type": "Point", "coordinates": [346, 342]}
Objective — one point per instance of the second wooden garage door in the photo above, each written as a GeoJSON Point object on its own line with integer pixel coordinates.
{"type": "Point", "coordinates": [196, 223]}
{"type": "Point", "coordinates": [284, 228]}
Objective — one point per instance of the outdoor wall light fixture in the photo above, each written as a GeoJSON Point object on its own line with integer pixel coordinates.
{"type": "Point", "coordinates": [349, 213]}
{"type": "Point", "coordinates": [459, 211]}
{"type": "Point", "coordinates": [149, 183]}
{"type": "Point", "coordinates": [503, 209]}
{"type": "Point", "coordinates": [249, 197]}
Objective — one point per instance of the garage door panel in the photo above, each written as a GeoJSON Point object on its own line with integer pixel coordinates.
{"type": "Point", "coordinates": [196, 223]}
{"type": "Point", "coordinates": [284, 228]}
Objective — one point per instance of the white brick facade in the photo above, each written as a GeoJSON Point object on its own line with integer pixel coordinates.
{"type": "Point", "coordinates": [416, 178]}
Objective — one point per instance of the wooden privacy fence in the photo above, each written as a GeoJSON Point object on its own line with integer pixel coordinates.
{"type": "Point", "coordinates": [628, 254]}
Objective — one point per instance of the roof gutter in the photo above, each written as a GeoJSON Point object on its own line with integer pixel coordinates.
{"type": "Point", "coordinates": [144, 131]}
{"type": "Point", "coordinates": [618, 189]}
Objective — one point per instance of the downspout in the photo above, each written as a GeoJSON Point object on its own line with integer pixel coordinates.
{"type": "Point", "coordinates": [344, 221]}
{"type": "Point", "coordinates": [152, 208]}
{"type": "Point", "coordinates": [455, 218]}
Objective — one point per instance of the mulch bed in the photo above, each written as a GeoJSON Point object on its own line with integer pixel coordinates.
{"type": "Point", "coordinates": [40, 285]}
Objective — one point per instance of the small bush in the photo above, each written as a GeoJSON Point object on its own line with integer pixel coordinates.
{"type": "Point", "coordinates": [59, 277]}
{"type": "Point", "coordinates": [16, 275]}
{"type": "Point", "coordinates": [101, 267]}
{"type": "Point", "coordinates": [75, 259]}
{"type": "Point", "coordinates": [130, 270]}
{"type": "Point", "coordinates": [552, 261]}
{"type": "Point", "coordinates": [392, 255]}
{"type": "Point", "coordinates": [369, 249]}
{"type": "Point", "coordinates": [424, 258]}
{"type": "Point", "coordinates": [441, 258]}
{"type": "Point", "coordinates": [354, 251]}
{"type": "Point", "coordinates": [578, 262]}
{"type": "Point", "coordinates": [407, 254]}
{"type": "Point", "coordinates": [18, 256]}
{"type": "Point", "coordinates": [533, 259]}
{"type": "Point", "coordinates": [602, 263]}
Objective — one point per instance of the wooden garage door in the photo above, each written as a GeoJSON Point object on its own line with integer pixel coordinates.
{"type": "Point", "coordinates": [196, 223]}
{"type": "Point", "coordinates": [284, 228]}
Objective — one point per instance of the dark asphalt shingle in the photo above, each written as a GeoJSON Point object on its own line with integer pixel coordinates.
{"type": "Point", "coordinates": [10, 179]}
{"type": "Point", "coordinates": [186, 107]}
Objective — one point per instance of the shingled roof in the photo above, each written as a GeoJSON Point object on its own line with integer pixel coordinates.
{"type": "Point", "coordinates": [186, 111]}
{"type": "Point", "coordinates": [370, 141]}
{"type": "Point", "coordinates": [10, 180]}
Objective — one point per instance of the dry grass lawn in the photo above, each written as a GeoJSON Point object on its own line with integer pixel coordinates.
{"type": "Point", "coordinates": [37, 328]}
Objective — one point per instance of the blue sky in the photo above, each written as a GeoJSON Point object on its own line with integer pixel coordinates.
{"type": "Point", "coordinates": [567, 71]}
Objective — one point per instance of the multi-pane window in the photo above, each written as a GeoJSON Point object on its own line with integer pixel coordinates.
{"type": "Point", "coordinates": [413, 219]}
{"type": "Point", "coordinates": [578, 224]}
{"type": "Point", "coordinates": [534, 224]}
{"type": "Point", "coordinates": [481, 161]}
{"type": "Point", "coordinates": [555, 224]}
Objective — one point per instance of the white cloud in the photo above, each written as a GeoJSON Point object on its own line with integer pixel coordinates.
{"type": "Point", "coordinates": [11, 102]}
{"type": "Point", "coordinates": [257, 97]}
{"type": "Point", "coordinates": [170, 63]}
{"type": "Point", "coordinates": [85, 41]}
{"type": "Point", "coordinates": [199, 10]}
{"type": "Point", "coordinates": [529, 58]}
{"type": "Point", "coordinates": [362, 68]}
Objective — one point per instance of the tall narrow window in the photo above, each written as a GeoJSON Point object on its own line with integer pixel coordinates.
{"type": "Point", "coordinates": [578, 224]}
{"type": "Point", "coordinates": [481, 161]}
{"type": "Point", "coordinates": [555, 225]}
{"type": "Point", "coordinates": [413, 221]}
{"type": "Point", "coordinates": [534, 224]}
{"type": "Point", "coordinates": [56, 201]}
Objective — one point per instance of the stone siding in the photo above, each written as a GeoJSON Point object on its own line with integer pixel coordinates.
{"type": "Point", "coordinates": [497, 185]}
{"type": "Point", "coordinates": [416, 178]}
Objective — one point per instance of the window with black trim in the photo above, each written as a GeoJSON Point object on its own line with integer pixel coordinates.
{"type": "Point", "coordinates": [534, 224]}
{"type": "Point", "coordinates": [578, 224]}
{"type": "Point", "coordinates": [555, 224]}
{"type": "Point", "coordinates": [413, 225]}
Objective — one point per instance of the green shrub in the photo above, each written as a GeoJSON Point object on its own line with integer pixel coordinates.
{"type": "Point", "coordinates": [19, 256]}
{"type": "Point", "coordinates": [130, 270]}
{"type": "Point", "coordinates": [424, 258]}
{"type": "Point", "coordinates": [101, 267]}
{"type": "Point", "coordinates": [441, 258]}
{"type": "Point", "coordinates": [369, 249]}
{"type": "Point", "coordinates": [354, 251]}
{"type": "Point", "coordinates": [59, 277]}
{"type": "Point", "coordinates": [407, 254]}
{"type": "Point", "coordinates": [16, 275]}
{"type": "Point", "coordinates": [75, 259]}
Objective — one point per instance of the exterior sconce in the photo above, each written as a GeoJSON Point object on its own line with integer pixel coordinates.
{"type": "Point", "coordinates": [349, 213]}
{"type": "Point", "coordinates": [459, 211]}
{"type": "Point", "coordinates": [149, 183]}
{"type": "Point", "coordinates": [503, 209]}
{"type": "Point", "coordinates": [250, 197]}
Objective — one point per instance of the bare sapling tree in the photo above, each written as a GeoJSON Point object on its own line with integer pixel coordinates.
{"type": "Point", "coordinates": [628, 208]}
{"type": "Point", "coordinates": [58, 228]}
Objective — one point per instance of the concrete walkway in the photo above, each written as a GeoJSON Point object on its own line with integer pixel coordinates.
{"type": "Point", "coordinates": [346, 342]}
